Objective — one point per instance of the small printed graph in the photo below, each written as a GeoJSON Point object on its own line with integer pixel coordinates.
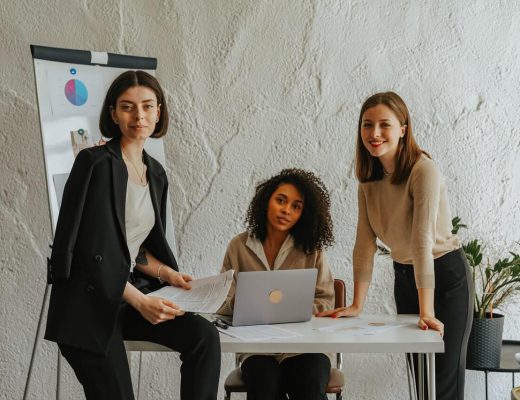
{"type": "Point", "coordinates": [76, 92]}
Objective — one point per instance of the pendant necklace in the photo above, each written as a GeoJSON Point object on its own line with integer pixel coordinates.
{"type": "Point", "coordinates": [139, 175]}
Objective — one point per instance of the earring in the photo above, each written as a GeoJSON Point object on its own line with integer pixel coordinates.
{"type": "Point", "coordinates": [157, 120]}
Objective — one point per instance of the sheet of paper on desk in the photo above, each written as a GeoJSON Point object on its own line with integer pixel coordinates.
{"type": "Point", "coordinates": [205, 296]}
{"type": "Point", "coordinates": [258, 332]}
{"type": "Point", "coordinates": [360, 327]}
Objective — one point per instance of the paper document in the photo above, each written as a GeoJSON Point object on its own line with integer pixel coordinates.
{"type": "Point", "coordinates": [360, 327]}
{"type": "Point", "coordinates": [258, 332]}
{"type": "Point", "coordinates": [205, 296]}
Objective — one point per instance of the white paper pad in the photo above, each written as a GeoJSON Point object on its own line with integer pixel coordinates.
{"type": "Point", "coordinates": [205, 296]}
{"type": "Point", "coordinates": [258, 332]}
{"type": "Point", "coordinates": [360, 327]}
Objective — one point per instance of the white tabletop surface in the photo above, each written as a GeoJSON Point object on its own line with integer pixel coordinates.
{"type": "Point", "coordinates": [404, 339]}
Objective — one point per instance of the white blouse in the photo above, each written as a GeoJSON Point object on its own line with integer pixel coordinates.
{"type": "Point", "coordinates": [139, 217]}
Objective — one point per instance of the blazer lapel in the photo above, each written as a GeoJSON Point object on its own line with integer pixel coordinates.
{"type": "Point", "coordinates": [119, 183]}
{"type": "Point", "coordinates": [157, 238]}
{"type": "Point", "coordinates": [151, 175]}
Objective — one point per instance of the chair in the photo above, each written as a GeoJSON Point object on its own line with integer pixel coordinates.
{"type": "Point", "coordinates": [140, 347]}
{"type": "Point", "coordinates": [234, 381]}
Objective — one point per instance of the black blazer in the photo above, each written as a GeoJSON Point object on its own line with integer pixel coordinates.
{"type": "Point", "coordinates": [90, 262]}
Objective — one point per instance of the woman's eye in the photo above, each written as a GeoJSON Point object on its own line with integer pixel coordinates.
{"type": "Point", "coordinates": [126, 107]}
{"type": "Point", "coordinates": [148, 107]}
{"type": "Point", "coordinates": [366, 125]}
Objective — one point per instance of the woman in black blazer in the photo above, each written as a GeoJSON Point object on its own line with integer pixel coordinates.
{"type": "Point", "coordinates": [113, 207]}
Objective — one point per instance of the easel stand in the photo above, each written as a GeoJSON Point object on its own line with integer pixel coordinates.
{"type": "Point", "coordinates": [33, 353]}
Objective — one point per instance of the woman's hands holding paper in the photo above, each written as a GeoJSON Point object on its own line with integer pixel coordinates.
{"type": "Point", "coordinates": [156, 310]}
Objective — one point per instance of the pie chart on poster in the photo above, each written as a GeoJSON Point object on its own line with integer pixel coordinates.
{"type": "Point", "coordinates": [76, 92]}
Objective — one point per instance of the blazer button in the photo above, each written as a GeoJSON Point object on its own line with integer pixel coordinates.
{"type": "Point", "coordinates": [90, 288]}
{"type": "Point", "coordinates": [98, 258]}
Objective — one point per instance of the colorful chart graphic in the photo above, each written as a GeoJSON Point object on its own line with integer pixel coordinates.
{"type": "Point", "coordinates": [76, 92]}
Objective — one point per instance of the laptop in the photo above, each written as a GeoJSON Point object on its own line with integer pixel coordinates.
{"type": "Point", "coordinates": [273, 297]}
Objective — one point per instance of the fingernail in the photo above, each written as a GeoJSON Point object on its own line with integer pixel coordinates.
{"type": "Point", "coordinates": [334, 316]}
{"type": "Point", "coordinates": [424, 327]}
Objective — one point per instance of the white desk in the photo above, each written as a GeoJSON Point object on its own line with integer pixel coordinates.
{"type": "Point", "coordinates": [405, 339]}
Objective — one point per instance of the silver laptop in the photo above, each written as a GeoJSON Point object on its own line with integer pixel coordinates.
{"type": "Point", "coordinates": [274, 297]}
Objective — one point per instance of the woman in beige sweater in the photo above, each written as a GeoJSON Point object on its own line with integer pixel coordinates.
{"type": "Point", "coordinates": [402, 201]}
{"type": "Point", "coordinates": [288, 226]}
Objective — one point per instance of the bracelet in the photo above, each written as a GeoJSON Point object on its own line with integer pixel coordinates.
{"type": "Point", "coordinates": [159, 274]}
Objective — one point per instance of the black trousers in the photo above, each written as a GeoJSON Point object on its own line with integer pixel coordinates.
{"type": "Point", "coordinates": [302, 377]}
{"type": "Point", "coordinates": [108, 376]}
{"type": "Point", "coordinates": [453, 307]}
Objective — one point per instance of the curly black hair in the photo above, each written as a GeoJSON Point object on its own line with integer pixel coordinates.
{"type": "Point", "coordinates": [313, 231]}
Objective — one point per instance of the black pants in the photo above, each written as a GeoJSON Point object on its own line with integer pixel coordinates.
{"type": "Point", "coordinates": [108, 376]}
{"type": "Point", "coordinates": [453, 307]}
{"type": "Point", "coordinates": [302, 377]}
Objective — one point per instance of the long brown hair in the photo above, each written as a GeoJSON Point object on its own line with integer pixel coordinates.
{"type": "Point", "coordinates": [369, 168]}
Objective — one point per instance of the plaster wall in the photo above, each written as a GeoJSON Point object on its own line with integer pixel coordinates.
{"type": "Point", "coordinates": [253, 87]}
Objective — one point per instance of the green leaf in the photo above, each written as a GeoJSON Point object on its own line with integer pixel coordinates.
{"type": "Point", "coordinates": [456, 225]}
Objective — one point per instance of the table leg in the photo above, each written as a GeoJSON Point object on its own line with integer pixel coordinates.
{"type": "Point", "coordinates": [420, 373]}
{"type": "Point", "coordinates": [410, 373]}
{"type": "Point", "coordinates": [486, 384]}
{"type": "Point", "coordinates": [431, 376]}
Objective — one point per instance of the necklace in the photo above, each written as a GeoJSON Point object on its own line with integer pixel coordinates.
{"type": "Point", "coordinates": [385, 172]}
{"type": "Point", "coordinates": [139, 175]}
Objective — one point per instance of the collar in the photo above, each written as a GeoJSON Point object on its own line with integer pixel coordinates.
{"type": "Point", "coordinates": [256, 247]}
{"type": "Point", "coordinates": [114, 147]}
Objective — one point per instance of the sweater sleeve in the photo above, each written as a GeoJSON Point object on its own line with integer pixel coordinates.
{"type": "Point", "coordinates": [324, 293]}
{"type": "Point", "coordinates": [365, 245]}
{"type": "Point", "coordinates": [227, 307]}
{"type": "Point", "coordinates": [425, 187]}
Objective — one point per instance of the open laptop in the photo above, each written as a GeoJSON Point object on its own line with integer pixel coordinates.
{"type": "Point", "coordinates": [273, 297]}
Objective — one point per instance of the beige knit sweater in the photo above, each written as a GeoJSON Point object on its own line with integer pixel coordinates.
{"type": "Point", "coordinates": [413, 219]}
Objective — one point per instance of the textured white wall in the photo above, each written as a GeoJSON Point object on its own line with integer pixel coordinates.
{"type": "Point", "coordinates": [255, 86]}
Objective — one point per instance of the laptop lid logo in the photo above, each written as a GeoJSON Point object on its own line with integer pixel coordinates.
{"type": "Point", "coordinates": [275, 296]}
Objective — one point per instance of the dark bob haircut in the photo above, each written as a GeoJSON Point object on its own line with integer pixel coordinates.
{"type": "Point", "coordinates": [313, 231]}
{"type": "Point", "coordinates": [121, 84]}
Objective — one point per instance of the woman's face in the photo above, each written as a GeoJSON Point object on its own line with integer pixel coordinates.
{"type": "Point", "coordinates": [381, 131]}
{"type": "Point", "coordinates": [285, 208]}
{"type": "Point", "coordinates": [136, 112]}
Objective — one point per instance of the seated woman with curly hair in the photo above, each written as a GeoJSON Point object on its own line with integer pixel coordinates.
{"type": "Point", "coordinates": [288, 226]}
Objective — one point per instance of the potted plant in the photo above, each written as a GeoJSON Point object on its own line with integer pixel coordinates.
{"type": "Point", "coordinates": [494, 283]}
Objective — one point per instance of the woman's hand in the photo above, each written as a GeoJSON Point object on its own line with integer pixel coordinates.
{"type": "Point", "coordinates": [156, 309]}
{"type": "Point", "coordinates": [350, 311]}
{"type": "Point", "coordinates": [427, 318]}
{"type": "Point", "coordinates": [175, 278]}
{"type": "Point", "coordinates": [427, 322]}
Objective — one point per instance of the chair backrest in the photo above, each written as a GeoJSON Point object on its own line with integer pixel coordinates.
{"type": "Point", "coordinates": [339, 293]}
